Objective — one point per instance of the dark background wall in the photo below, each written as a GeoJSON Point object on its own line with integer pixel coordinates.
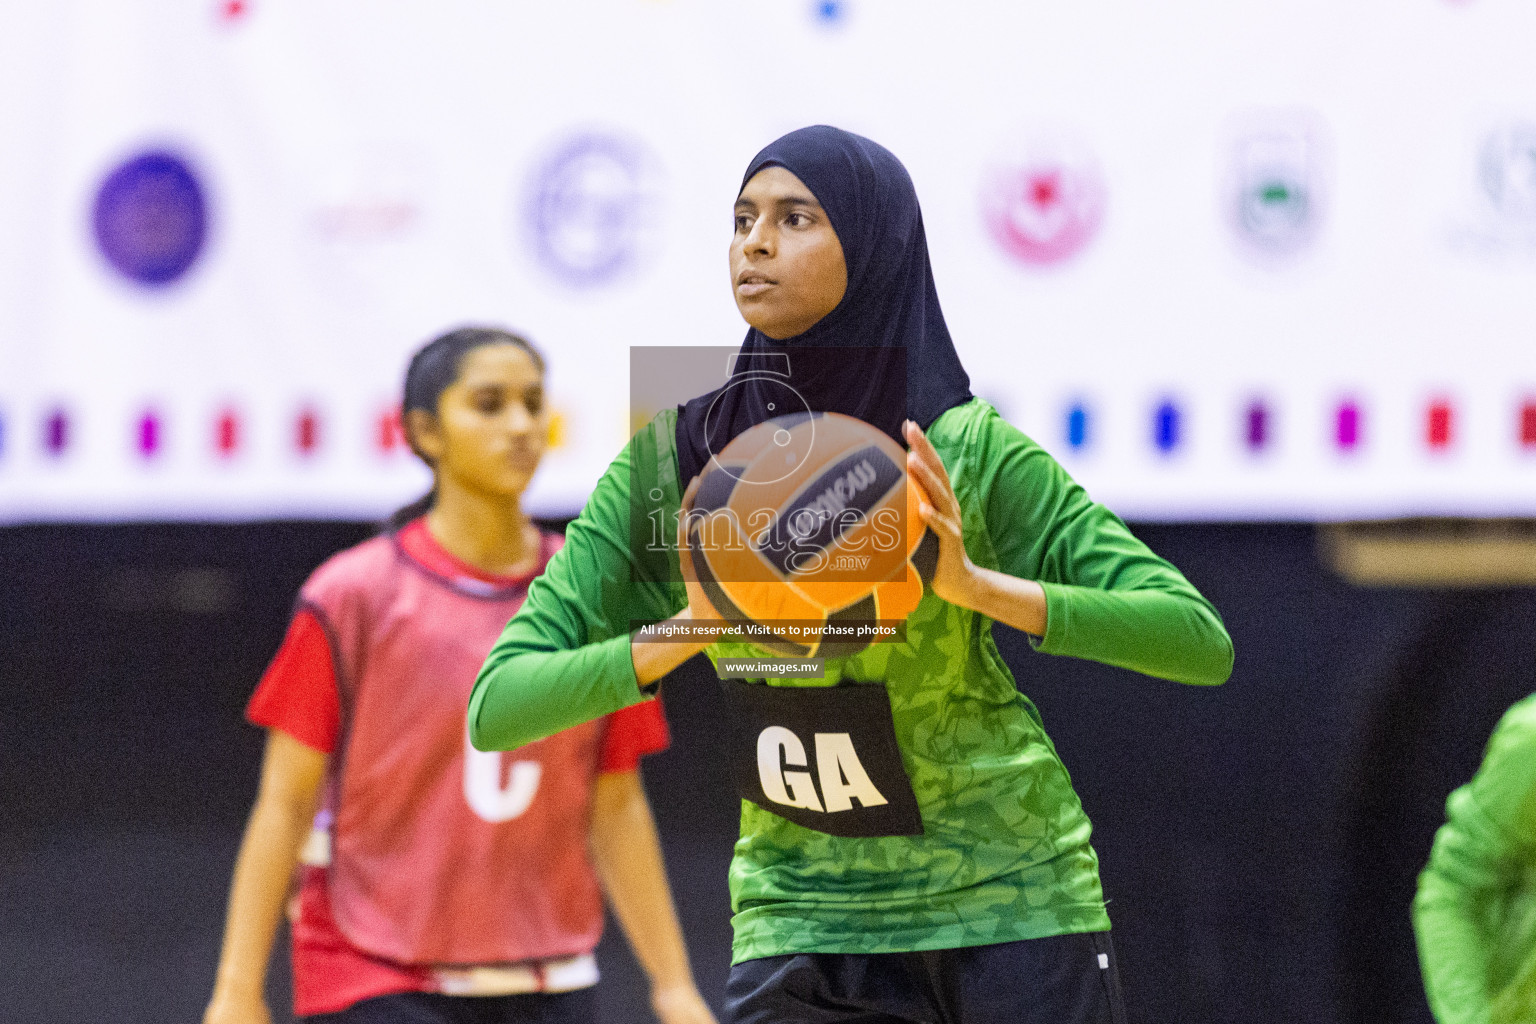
{"type": "Point", "coordinates": [1258, 841]}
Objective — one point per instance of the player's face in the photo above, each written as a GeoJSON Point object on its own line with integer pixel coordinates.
{"type": "Point", "coordinates": [492, 423]}
{"type": "Point", "coordinates": [787, 268]}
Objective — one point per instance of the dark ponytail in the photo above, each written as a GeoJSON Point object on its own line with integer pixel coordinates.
{"type": "Point", "coordinates": [415, 510]}
{"type": "Point", "coordinates": [433, 370]}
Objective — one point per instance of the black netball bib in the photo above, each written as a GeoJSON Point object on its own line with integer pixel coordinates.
{"type": "Point", "coordinates": [824, 757]}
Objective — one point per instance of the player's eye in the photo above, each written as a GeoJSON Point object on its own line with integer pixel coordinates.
{"type": "Point", "coordinates": [488, 402]}
{"type": "Point", "coordinates": [533, 401]}
{"type": "Point", "coordinates": [743, 223]}
{"type": "Point", "coordinates": [798, 220]}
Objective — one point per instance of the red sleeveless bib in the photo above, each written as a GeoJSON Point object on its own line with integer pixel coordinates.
{"type": "Point", "coordinates": [441, 854]}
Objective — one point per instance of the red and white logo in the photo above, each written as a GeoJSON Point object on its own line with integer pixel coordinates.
{"type": "Point", "coordinates": [1044, 208]}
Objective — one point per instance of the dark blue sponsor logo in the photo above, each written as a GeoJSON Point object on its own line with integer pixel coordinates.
{"type": "Point", "coordinates": [151, 218]}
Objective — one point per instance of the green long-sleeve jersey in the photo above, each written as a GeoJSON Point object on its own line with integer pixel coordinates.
{"type": "Point", "coordinates": [1005, 849]}
{"type": "Point", "coordinates": [1475, 911]}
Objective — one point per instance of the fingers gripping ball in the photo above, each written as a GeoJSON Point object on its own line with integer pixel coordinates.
{"type": "Point", "coordinates": [806, 521]}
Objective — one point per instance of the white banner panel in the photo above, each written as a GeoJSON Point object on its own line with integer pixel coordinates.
{"type": "Point", "coordinates": [1235, 259]}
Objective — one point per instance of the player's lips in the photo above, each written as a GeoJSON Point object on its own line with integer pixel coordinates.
{"type": "Point", "coordinates": [752, 282]}
{"type": "Point", "coordinates": [523, 458]}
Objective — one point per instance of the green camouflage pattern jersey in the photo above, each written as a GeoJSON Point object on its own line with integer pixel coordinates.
{"type": "Point", "coordinates": [1005, 850]}
{"type": "Point", "coordinates": [1475, 911]}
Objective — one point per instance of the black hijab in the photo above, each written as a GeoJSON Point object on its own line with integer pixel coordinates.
{"type": "Point", "coordinates": [884, 354]}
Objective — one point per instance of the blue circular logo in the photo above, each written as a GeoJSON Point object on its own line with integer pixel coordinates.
{"type": "Point", "coordinates": [151, 218]}
{"type": "Point", "coordinates": [589, 209]}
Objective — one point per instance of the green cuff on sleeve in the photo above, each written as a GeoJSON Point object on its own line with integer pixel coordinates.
{"type": "Point", "coordinates": [1058, 620]}
{"type": "Point", "coordinates": [539, 693]}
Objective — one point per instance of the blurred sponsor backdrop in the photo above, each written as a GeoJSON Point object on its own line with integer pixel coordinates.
{"type": "Point", "coordinates": [1233, 259]}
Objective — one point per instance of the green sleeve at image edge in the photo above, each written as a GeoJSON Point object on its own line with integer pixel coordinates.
{"type": "Point", "coordinates": [1488, 839]}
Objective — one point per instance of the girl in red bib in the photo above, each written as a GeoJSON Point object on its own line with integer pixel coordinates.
{"type": "Point", "coordinates": [436, 882]}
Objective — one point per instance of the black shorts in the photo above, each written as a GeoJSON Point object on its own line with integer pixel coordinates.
{"type": "Point", "coordinates": [1063, 979]}
{"type": "Point", "coordinates": [578, 1007]}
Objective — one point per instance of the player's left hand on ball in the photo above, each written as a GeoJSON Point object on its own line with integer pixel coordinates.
{"type": "Point", "coordinates": [680, 1004]}
{"type": "Point", "coordinates": [940, 510]}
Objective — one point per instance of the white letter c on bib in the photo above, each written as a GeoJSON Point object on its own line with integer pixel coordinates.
{"type": "Point", "coordinates": [483, 789]}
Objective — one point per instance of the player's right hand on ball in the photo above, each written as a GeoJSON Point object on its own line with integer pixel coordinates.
{"type": "Point", "coordinates": [699, 609]}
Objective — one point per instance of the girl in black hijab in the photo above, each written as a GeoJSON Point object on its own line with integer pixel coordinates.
{"type": "Point", "coordinates": [911, 846]}
{"type": "Point", "coordinates": [882, 353]}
